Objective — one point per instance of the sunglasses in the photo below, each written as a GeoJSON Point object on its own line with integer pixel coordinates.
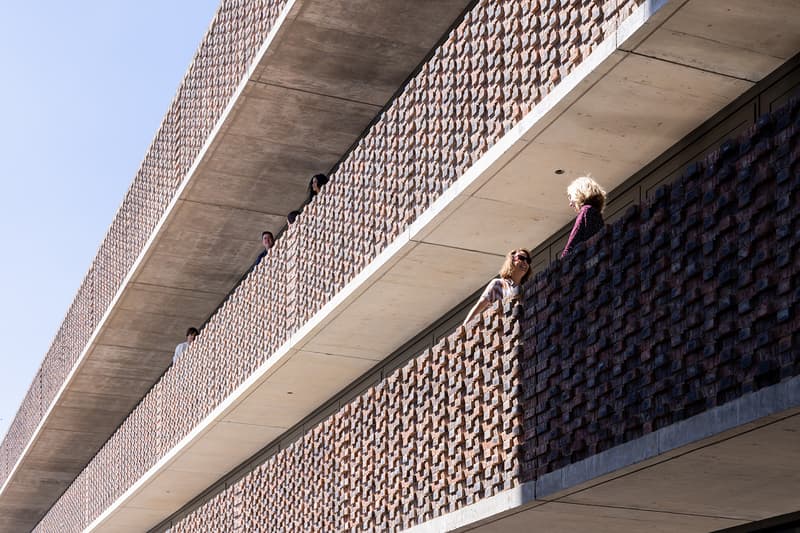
{"type": "Point", "coordinates": [522, 257]}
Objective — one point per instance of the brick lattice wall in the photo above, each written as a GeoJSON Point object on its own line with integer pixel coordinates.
{"type": "Point", "coordinates": [500, 61]}
{"type": "Point", "coordinates": [439, 433]}
{"type": "Point", "coordinates": [493, 68]}
{"type": "Point", "coordinates": [227, 50]}
{"type": "Point", "coordinates": [679, 307]}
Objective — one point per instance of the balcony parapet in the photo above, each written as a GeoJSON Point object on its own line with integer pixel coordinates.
{"type": "Point", "coordinates": [391, 201]}
{"type": "Point", "coordinates": [673, 330]}
{"type": "Point", "coordinates": [224, 56]}
{"type": "Point", "coordinates": [230, 159]}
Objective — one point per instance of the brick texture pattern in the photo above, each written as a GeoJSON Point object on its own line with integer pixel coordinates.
{"type": "Point", "coordinates": [491, 70]}
{"type": "Point", "coordinates": [227, 50]}
{"type": "Point", "coordinates": [439, 433]}
{"type": "Point", "coordinates": [679, 307]}
{"type": "Point", "coordinates": [222, 513]}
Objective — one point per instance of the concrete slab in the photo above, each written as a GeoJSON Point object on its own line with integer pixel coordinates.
{"type": "Point", "coordinates": [202, 226]}
{"type": "Point", "coordinates": [322, 373]}
{"type": "Point", "coordinates": [275, 114]}
{"type": "Point", "coordinates": [147, 331]}
{"type": "Point", "coordinates": [48, 470]}
{"type": "Point", "coordinates": [430, 280]}
{"type": "Point", "coordinates": [273, 190]}
{"type": "Point", "coordinates": [211, 456]}
{"type": "Point", "coordinates": [623, 123]}
{"type": "Point", "coordinates": [497, 226]}
{"type": "Point", "coordinates": [168, 492]}
{"type": "Point", "coordinates": [747, 478]}
{"type": "Point", "coordinates": [729, 38]}
{"type": "Point", "coordinates": [244, 157]}
{"type": "Point", "coordinates": [130, 519]}
{"type": "Point", "coordinates": [301, 383]}
{"type": "Point", "coordinates": [127, 363]}
{"type": "Point", "coordinates": [184, 272]}
{"type": "Point", "coordinates": [158, 299]}
{"type": "Point", "coordinates": [274, 396]}
{"type": "Point", "coordinates": [335, 49]}
{"type": "Point", "coordinates": [570, 518]}
{"type": "Point", "coordinates": [72, 419]}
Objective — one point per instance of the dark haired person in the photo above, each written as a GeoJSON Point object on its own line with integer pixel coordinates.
{"type": "Point", "coordinates": [315, 185]}
{"type": "Point", "coordinates": [291, 217]}
{"type": "Point", "coordinates": [588, 199]}
{"type": "Point", "coordinates": [268, 241]}
{"type": "Point", "coordinates": [191, 334]}
{"type": "Point", "coordinates": [515, 271]}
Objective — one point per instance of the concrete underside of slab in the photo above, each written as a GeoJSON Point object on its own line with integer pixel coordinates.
{"type": "Point", "coordinates": [326, 71]}
{"type": "Point", "coordinates": [636, 96]}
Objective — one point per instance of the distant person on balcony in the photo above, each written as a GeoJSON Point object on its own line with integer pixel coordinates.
{"type": "Point", "coordinates": [268, 241]}
{"type": "Point", "coordinates": [315, 185]}
{"type": "Point", "coordinates": [291, 217]}
{"type": "Point", "coordinates": [588, 199]}
{"type": "Point", "coordinates": [191, 334]}
{"type": "Point", "coordinates": [515, 271]}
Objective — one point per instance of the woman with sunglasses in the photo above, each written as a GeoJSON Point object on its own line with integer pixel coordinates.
{"type": "Point", "coordinates": [515, 271]}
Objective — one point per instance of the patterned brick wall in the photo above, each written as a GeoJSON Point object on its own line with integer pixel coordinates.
{"type": "Point", "coordinates": [679, 307]}
{"type": "Point", "coordinates": [222, 513]}
{"type": "Point", "coordinates": [676, 308]}
{"type": "Point", "coordinates": [494, 67]}
{"type": "Point", "coordinates": [227, 50]}
{"type": "Point", "coordinates": [439, 433]}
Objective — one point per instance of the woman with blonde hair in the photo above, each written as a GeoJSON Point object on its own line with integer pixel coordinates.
{"type": "Point", "coordinates": [515, 271]}
{"type": "Point", "coordinates": [588, 199]}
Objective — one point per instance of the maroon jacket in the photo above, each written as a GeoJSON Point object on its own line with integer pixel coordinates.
{"type": "Point", "coordinates": [588, 222]}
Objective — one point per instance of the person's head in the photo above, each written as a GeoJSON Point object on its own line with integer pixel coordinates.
{"type": "Point", "coordinates": [291, 217]}
{"type": "Point", "coordinates": [586, 191]}
{"type": "Point", "coordinates": [316, 184]}
{"type": "Point", "coordinates": [267, 239]}
{"type": "Point", "coordinates": [191, 334]}
{"type": "Point", "coordinates": [517, 265]}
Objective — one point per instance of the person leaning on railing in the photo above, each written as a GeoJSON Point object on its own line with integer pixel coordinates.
{"type": "Point", "coordinates": [315, 185]}
{"type": "Point", "coordinates": [191, 335]}
{"type": "Point", "coordinates": [588, 199]}
{"type": "Point", "coordinates": [515, 271]}
{"type": "Point", "coordinates": [267, 241]}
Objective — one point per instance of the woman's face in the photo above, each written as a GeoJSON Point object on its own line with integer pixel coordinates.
{"type": "Point", "coordinates": [572, 203]}
{"type": "Point", "coordinates": [315, 185]}
{"type": "Point", "coordinates": [521, 260]}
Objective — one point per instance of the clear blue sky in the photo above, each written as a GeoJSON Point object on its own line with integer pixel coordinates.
{"type": "Point", "coordinates": [84, 87]}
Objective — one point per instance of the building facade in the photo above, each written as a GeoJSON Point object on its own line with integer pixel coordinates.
{"type": "Point", "coordinates": [648, 380]}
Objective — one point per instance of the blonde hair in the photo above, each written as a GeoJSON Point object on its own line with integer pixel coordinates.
{"type": "Point", "coordinates": [508, 265]}
{"type": "Point", "coordinates": [585, 190]}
